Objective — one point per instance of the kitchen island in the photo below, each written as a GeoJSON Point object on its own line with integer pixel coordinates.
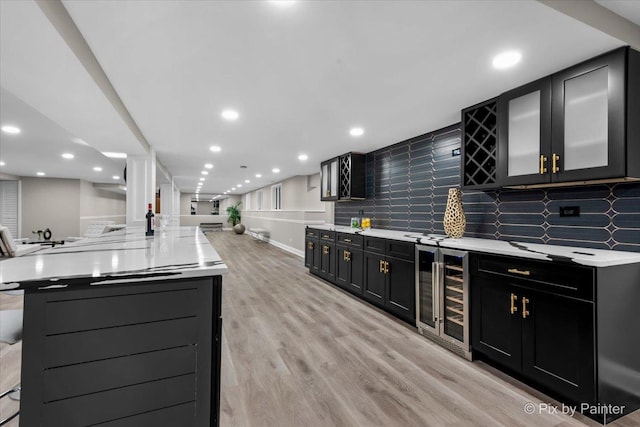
{"type": "Point", "coordinates": [121, 330]}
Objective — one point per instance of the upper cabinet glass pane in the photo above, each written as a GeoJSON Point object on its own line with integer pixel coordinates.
{"type": "Point", "coordinates": [334, 178]}
{"type": "Point", "coordinates": [586, 120]}
{"type": "Point", "coordinates": [325, 180]}
{"type": "Point", "coordinates": [524, 134]}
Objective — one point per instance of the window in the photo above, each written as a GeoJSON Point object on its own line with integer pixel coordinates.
{"type": "Point", "coordinates": [9, 206]}
{"type": "Point", "coordinates": [247, 201]}
{"type": "Point", "coordinates": [276, 197]}
{"type": "Point", "coordinates": [259, 199]}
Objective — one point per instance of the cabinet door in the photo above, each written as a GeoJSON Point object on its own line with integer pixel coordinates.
{"type": "Point", "coordinates": [357, 273]}
{"type": "Point", "coordinates": [309, 248]}
{"type": "Point", "coordinates": [401, 288]}
{"type": "Point", "coordinates": [327, 262]}
{"type": "Point", "coordinates": [315, 265]}
{"type": "Point", "coordinates": [343, 267]}
{"type": "Point", "coordinates": [329, 180]}
{"type": "Point", "coordinates": [558, 344]}
{"type": "Point", "coordinates": [524, 126]}
{"type": "Point", "coordinates": [496, 330]}
{"type": "Point", "coordinates": [374, 278]}
{"type": "Point", "coordinates": [588, 120]}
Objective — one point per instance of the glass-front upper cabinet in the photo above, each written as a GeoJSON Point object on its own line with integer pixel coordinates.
{"type": "Point", "coordinates": [329, 181]}
{"type": "Point", "coordinates": [589, 120]}
{"type": "Point", "coordinates": [524, 128]}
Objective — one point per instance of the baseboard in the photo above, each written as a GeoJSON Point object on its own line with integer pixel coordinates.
{"type": "Point", "coordinates": [287, 248]}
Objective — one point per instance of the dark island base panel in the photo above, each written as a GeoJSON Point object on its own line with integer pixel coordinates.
{"type": "Point", "coordinates": [126, 355]}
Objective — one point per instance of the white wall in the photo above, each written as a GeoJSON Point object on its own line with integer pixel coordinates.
{"type": "Point", "coordinates": [66, 206]}
{"type": "Point", "coordinates": [301, 206]}
{"type": "Point", "coordinates": [98, 204]}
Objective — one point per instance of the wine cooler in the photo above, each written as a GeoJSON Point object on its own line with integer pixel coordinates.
{"type": "Point", "coordinates": [442, 297]}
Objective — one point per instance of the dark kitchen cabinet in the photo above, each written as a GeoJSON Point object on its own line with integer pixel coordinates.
{"type": "Point", "coordinates": [390, 281]}
{"type": "Point", "coordinates": [479, 147]}
{"type": "Point", "coordinates": [349, 268]}
{"type": "Point", "coordinates": [577, 125]}
{"type": "Point", "coordinates": [343, 178]}
{"type": "Point", "coordinates": [537, 319]}
{"type": "Point", "coordinates": [524, 133]}
{"type": "Point", "coordinates": [312, 250]}
{"type": "Point", "coordinates": [327, 255]}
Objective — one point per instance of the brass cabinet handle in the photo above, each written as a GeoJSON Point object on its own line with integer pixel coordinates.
{"type": "Point", "coordinates": [381, 266]}
{"type": "Point", "coordinates": [386, 267]}
{"type": "Point", "coordinates": [520, 272]}
{"type": "Point", "coordinates": [310, 245]}
{"type": "Point", "coordinates": [325, 250]}
{"type": "Point", "coordinates": [525, 312]}
{"type": "Point", "coordinates": [555, 167]}
{"type": "Point", "coordinates": [346, 256]}
{"type": "Point", "coordinates": [543, 168]}
{"type": "Point", "coordinates": [514, 307]}
{"type": "Point", "coordinates": [328, 193]}
{"type": "Point", "coordinates": [347, 240]}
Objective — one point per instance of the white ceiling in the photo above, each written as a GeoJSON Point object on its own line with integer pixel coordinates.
{"type": "Point", "coordinates": [629, 9]}
{"type": "Point", "coordinates": [300, 76]}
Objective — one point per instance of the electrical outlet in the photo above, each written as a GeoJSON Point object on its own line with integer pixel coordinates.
{"type": "Point", "coordinates": [569, 210]}
{"type": "Point", "coordinates": [455, 152]}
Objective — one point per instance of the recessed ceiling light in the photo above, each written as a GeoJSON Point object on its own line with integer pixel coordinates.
{"type": "Point", "coordinates": [356, 131]}
{"type": "Point", "coordinates": [2, 163]}
{"type": "Point", "coordinates": [97, 169]}
{"type": "Point", "coordinates": [40, 173]}
{"type": "Point", "coordinates": [204, 173]}
{"type": "Point", "coordinates": [258, 175]}
{"type": "Point", "coordinates": [68, 156]}
{"type": "Point", "coordinates": [10, 129]}
{"type": "Point", "coordinates": [233, 188]}
{"type": "Point", "coordinates": [239, 185]}
{"type": "Point", "coordinates": [202, 179]}
{"type": "Point", "coordinates": [275, 170]}
{"type": "Point", "coordinates": [114, 155]}
{"type": "Point", "coordinates": [247, 181]}
{"type": "Point", "coordinates": [208, 166]}
{"type": "Point", "coordinates": [215, 148]}
{"type": "Point", "coordinates": [303, 157]}
{"type": "Point", "coordinates": [230, 115]}
{"type": "Point", "coordinates": [115, 177]}
{"type": "Point", "coordinates": [506, 59]}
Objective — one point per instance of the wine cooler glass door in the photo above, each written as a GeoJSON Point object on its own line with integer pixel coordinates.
{"type": "Point", "coordinates": [427, 290]}
{"type": "Point", "coordinates": [454, 271]}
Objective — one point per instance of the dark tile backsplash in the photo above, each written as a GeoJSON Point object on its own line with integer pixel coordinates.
{"type": "Point", "coordinates": [407, 187]}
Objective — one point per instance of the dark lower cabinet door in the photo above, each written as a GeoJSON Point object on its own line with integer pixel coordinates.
{"type": "Point", "coordinates": [558, 345]}
{"type": "Point", "coordinates": [496, 331]}
{"type": "Point", "coordinates": [357, 273]}
{"type": "Point", "coordinates": [401, 288]}
{"type": "Point", "coordinates": [309, 248]}
{"type": "Point", "coordinates": [374, 278]}
{"type": "Point", "coordinates": [343, 267]}
{"type": "Point", "coordinates": [315, 262]}
{"type": "Point", "coordinates": [328, 262]}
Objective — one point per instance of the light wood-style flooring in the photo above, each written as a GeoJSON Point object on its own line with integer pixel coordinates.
{"type": "Point", "coordinates": [297, 351]}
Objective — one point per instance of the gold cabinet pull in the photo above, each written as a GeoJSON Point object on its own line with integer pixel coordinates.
{"type": "Point", "coordinates": [514, 307]}
{"type": "Point", "coordinates": [520, 272]}
{"type": "Point", "coordinates": [381, 266]}
{"type": "Point", "coordinates": [325, 250]}
{"type": "Point", "coordinates": [347, 240]}
{"type": "Point", "coordinates": [525, 312]}
{"type": "Point", "coordinates": [346, 256]}
{"type": "Point", "coordinates": [386, 267]}
{"type": "Point", "coordinates": [543, 168]}
{"type": "Point", "coordinates": [555, 167]}
{"type": "Point", "coordinates": [310, 245]}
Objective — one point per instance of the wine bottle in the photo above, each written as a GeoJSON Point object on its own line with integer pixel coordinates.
{"type": "Point", "coordinates": [150, 221]}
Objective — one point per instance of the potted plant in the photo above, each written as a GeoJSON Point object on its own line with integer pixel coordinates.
{"type": "Point", "coordinates": [233, 212]}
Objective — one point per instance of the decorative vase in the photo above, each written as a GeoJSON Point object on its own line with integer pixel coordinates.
{"type": "Point", "coordinates": [238, 228]}
{"type": "Point", "coordinates": [454, 220]}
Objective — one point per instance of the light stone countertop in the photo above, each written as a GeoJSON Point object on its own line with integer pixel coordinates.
{"type": "Point", "coordinates": [118, 257]}
{"type": "Point", "coordinates": [578, 255]}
